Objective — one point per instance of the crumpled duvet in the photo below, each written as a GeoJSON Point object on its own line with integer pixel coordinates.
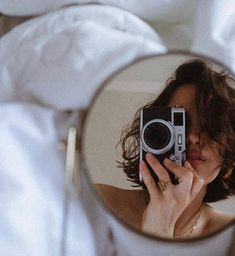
{"type": "Point", "coordinates": [215, 30]}
{"type": "Point", "coordinates": [49, 65]}
{"type": "Point", "coordinates": [66, 48]}
{"type": "Point", "coordinates": [151, 9]}
{"type": "Point", "coordinates": [52, 64]}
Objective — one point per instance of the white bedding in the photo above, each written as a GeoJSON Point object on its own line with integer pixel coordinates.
{"type": "Point", "coordinates": [54, 63]}
{"type": "Point", "coordinates": [66, 48]}
{"type": "Point", "coordinates": [215, 30]}
{"type": "Point", "coordinates": [161, 10]}
{"type": "Point", "coordinates": [31, 191]}
{"type": "Point", "coordinates": [49, 65]}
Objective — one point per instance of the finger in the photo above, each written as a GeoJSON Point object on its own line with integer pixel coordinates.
{"type": "Point", "coordinates": [160, 171]}
{"type": "Point", "coordinates": [198, 186]}
{"type": "Point", "coordinates": [148, 179]}
{"type": "Point", "coordinates": [198, 182]}
{"type": "Point", "coordinates": [179, 171]}
{"type": "Point", "coordinates": [188, 165]}
{"type": "Point", "coordinates": [196, 176]}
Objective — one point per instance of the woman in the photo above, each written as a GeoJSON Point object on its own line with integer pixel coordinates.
{"type": "Point", "coordinates": [178, 211]}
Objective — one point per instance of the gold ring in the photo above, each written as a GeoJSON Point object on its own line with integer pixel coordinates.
{"type": "Point", "coordinates": [162, 185]}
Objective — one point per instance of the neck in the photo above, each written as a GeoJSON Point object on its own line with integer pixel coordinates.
{"type": "Point", "coordinates": [190, 216]}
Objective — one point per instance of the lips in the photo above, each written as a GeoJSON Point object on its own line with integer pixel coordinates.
{"type": "Point", "coordinates": [195, 157]}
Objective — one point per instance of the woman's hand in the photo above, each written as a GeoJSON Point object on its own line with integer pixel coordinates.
{"type": "Point", "coordinates": [165, 207]}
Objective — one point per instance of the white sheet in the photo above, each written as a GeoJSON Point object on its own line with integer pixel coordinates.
{"type": "Point", "coordinates": [48, 65]}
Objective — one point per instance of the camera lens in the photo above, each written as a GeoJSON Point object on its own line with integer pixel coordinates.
{"type": "Point", "coordinates": [157, 135]}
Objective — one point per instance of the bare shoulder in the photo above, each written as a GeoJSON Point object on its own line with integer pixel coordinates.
{"type": "Point", "coordinates": [217, 219]}
{"type": "Point", "coordinates": [108, 190]}
{"type": "Point", "coordinates": [118, 197]}
{"type": "Point", "coordinates": [128, 204]}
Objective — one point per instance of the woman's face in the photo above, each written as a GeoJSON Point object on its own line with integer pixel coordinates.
{"type": "Point", "coordinates": [202, 153]}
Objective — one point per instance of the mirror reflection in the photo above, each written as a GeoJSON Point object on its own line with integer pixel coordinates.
{"type": "Point", "coordinates": [159, 145]}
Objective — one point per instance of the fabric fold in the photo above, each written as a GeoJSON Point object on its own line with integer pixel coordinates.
{"type": "Point", "coordinates": [70, 49]}
{"type": "Point", "coordinates": [214, 31]}
{"type": "Point", "coordinates": [49, 65]}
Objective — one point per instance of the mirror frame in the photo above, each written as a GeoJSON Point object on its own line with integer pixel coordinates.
{"type": "Point", "coordinates": [85, 172]}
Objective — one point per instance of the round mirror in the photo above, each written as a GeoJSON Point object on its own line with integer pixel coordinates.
{"type": "Point", "coordinates": [159, 145]}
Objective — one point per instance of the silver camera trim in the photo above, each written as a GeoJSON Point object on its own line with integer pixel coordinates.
{"type": "Point", "coordinates": [168, 146]}
{"type": "Point", "coordinates": [179, 156]}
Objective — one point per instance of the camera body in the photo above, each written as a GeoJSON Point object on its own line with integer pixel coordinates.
{"type": "Point", "coordinates": [162, 133]}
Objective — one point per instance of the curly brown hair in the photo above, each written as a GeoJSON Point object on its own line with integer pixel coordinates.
{"type": "Point", "coordinates": [215, 99]}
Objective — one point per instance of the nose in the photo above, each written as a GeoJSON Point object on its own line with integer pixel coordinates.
{"type": "Point", "coordinates": [193, 128]}
{"type": "Point", "coordinates": [193, 137]}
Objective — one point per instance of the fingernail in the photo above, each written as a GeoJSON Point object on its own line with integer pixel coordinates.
{"type": "Point", "coordinates": [187, 164]}
{"type": "Point", "coordinates": [149, 155]}
{"type": "Point", "coordinates": [168, 161]}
